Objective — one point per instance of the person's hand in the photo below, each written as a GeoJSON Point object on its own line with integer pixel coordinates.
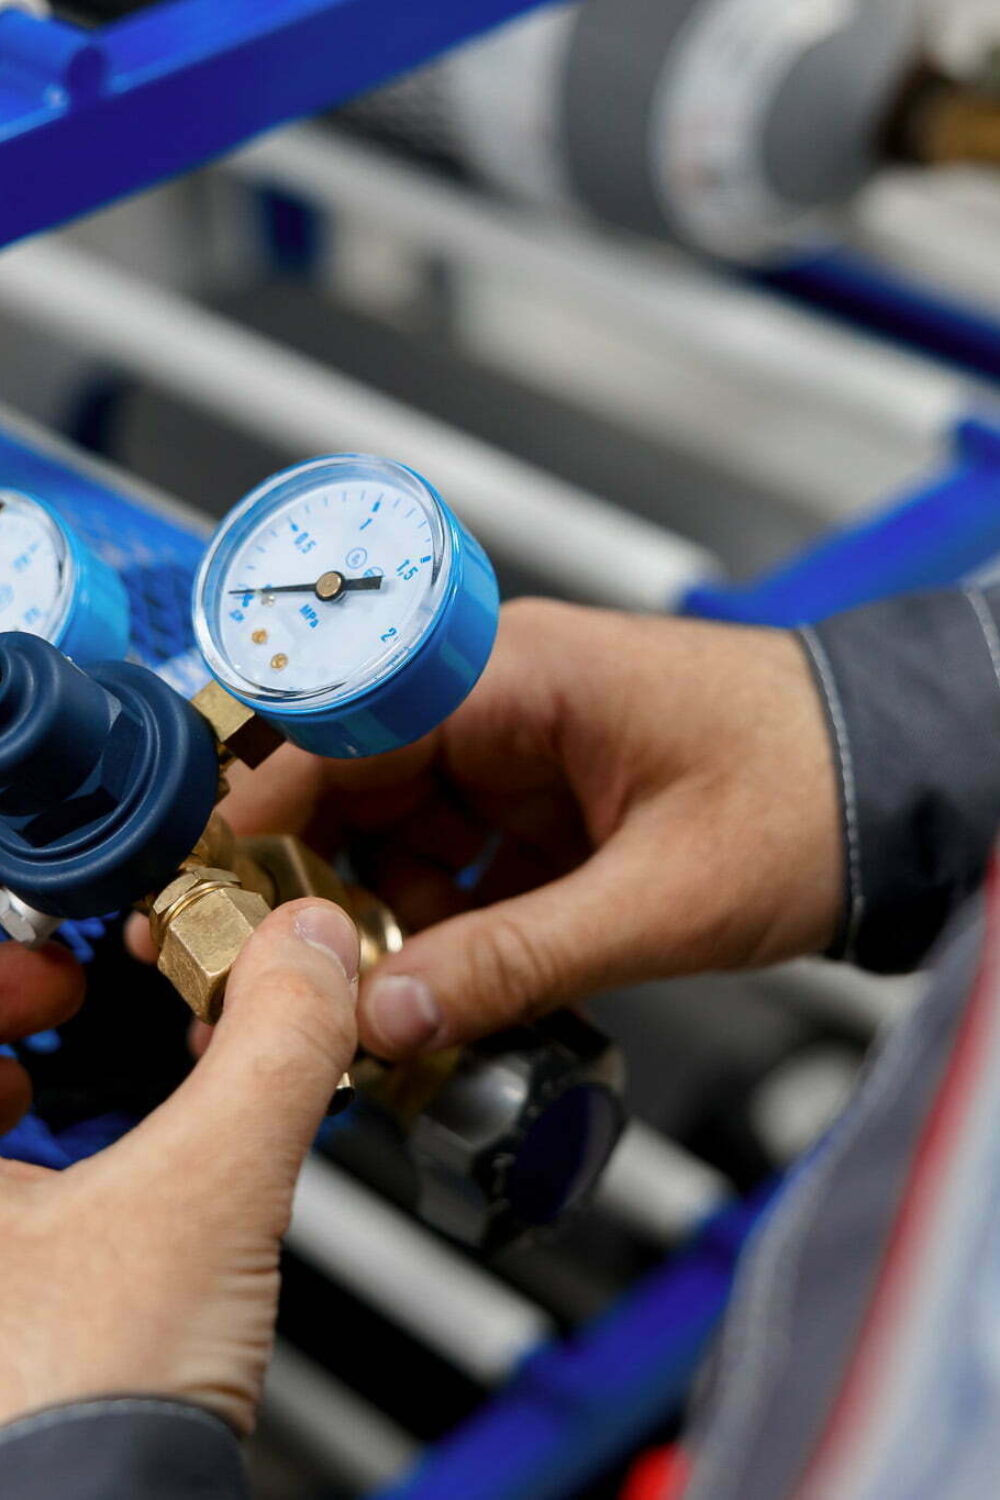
{"type": "Point", "coordinates": [152, 1268]}
{"type": "Point", "coordinates": [661, 796]}
{"type": "Point", "coordinates": [37, 990]}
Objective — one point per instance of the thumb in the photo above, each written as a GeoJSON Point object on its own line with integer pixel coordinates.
{"type": "Point", "coordinates": [254, 1102]}
{"type": "Point", "coordinates": [506, 964]}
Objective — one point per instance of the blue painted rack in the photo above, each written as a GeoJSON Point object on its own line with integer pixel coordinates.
{"type": "Point", "coordinates": [88, 116]}
{"type": "Point", "coordinates": [902, 308]}
{"type": "Point", "coordinates": [573, 1409]}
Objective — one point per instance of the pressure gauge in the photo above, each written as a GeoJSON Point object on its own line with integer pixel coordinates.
{"type": "Point", "coordinates": [344, 603]}
{"type": "Point", "coordinates": [52, 585]}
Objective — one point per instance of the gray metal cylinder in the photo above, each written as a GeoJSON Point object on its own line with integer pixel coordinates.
{"type": "Point", "coordinates": [738, 126]}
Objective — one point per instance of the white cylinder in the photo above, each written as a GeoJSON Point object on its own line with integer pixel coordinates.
{"type": "Point", "coordinates": [584, 545]}
{"type": "Point", "coordinates": [657, 1189]}
{"type": "Point", "coordinates": [346, 1436]}
{"type": "Point", "coordinates": [412, 1278]}
{"type": "Point", "coordinates": [741, 333]}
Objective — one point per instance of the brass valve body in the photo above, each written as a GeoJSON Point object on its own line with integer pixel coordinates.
{"type": "Point", "coordinates": [940, 121]}
{"type": "Point", "coordinates": [239, 732]}
{"type": "Point", "coordinates": [961, 127]}
{"type": "Point", "coordinates": [467, 1113]}
{"type": "Point", "coordinates": [199, 923]}
{"type": "Point", "coordinates": [226, 888]}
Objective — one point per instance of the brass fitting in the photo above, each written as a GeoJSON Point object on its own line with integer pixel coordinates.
{"type": "Point", "coordinates": [219, 849]}
{"type": "Point", "coordinates": [224, 890]}
{"type": "Point", "coordinates": [942, 120]}
{"type": "Point", "coordinates": [287, 869]}
{"type": "Point", "coordinates": [226, 887]}
{"type": "Point", "coordinates": [201, 920]}
{"type": "Point", "coordinates": [199, 923]}
{"type": "Point", "coordinates": [962, 126]}
{"type": "Point", "coordinates": [222, 893]}
{"type": "Point", "coordinates": [241, 734]}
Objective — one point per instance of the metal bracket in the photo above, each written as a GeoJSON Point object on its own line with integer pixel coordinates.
{"type": "Point", "coordinates": [87, 116]}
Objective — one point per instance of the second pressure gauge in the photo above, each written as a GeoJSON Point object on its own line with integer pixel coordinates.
{"type": "Point", "coordinates": [54, 586]}
{"type": "Point", "coordinates": [344, 602]}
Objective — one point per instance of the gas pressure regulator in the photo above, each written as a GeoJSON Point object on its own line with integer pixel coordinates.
{"type": "Point", "coordinates": [343, 607]}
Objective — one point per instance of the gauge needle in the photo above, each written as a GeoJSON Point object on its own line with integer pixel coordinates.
{"type": "Point", "coordinates": [328, 586]}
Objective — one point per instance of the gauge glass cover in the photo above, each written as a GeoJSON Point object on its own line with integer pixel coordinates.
{"type": "Point", "coordinates": [281, 613]}
{"type": "Point", "coordinates": [37, 574]}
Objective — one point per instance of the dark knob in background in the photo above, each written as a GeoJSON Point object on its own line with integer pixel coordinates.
{"type": "Point", "coordinates": [520, 1132]}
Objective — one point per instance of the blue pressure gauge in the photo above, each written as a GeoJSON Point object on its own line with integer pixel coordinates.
{"type": "Point", "coordinates": [345, 603]}
{"type": "Point", "coordinates": [54, 586]}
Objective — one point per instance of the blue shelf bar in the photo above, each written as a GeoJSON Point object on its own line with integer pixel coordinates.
{"type": "Point", "coordinates": [943, 534]}
{"type": "Point", "coordinates": [576, 1408]}
{"type": "Point", "coordinates": [888, 302]}
{"type": "Point", "coordinates": [89, 116]}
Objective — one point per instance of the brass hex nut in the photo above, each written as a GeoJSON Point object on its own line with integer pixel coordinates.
{"type": "Point", "coordinates": [200, 923]}
{"type": "Point", "coordinates": [241, 734]}
{"type": "Point", "coordinates": [291, 870]}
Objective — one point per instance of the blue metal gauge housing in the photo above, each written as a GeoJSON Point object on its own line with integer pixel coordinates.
{"type": "Point", "coordinates": [52, 585]}
{"type": "Point", "coordinates": [346, 604]}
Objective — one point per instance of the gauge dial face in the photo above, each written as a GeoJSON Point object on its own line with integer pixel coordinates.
{"type": "Point", "coordinates": [36, 569]}
{"type": "Point", "coordinates": [322, 582]}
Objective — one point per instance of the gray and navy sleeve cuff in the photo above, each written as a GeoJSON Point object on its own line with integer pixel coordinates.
{"type": "Point", "coordinates": [911, 688]}
{"type": "Point", "coordinates": [130, 1448]}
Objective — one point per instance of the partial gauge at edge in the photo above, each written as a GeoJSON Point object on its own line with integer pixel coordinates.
{"type": "Point", "coordinates": [345, 603]}
{"type": "Point", "coordinates": [52, 585]}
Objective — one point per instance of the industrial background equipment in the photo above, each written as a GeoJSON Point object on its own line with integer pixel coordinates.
{"type": "Point", "coordinates": [742, 128]}
{"type": "Point", "coordinates": [685, 306]}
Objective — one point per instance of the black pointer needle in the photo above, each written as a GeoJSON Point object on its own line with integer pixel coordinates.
{"type": "Point", "coordinates": [328, 587]}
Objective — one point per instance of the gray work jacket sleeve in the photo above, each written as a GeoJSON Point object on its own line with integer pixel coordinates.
{"type": "Point", "coordinates": [911, 688]}
{"type": "Point", "coordinates": [859, 1357]}
{"type": "Point", "coordinates": [132, 1448]}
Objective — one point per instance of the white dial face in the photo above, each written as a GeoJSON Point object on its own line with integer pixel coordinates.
{"type": "Point", "coordinates": [35, 568]}
{"type": "Point", "coordinates": [320, 583]}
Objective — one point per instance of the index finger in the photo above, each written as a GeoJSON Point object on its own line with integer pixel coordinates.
{"type": "Point", "coordinates": [38, 989]}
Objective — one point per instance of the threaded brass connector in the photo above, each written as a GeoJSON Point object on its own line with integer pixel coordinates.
{"type": "Point", "coordinates": [241, 734]}
{"type": "Point", "coordinates": [199, 923]}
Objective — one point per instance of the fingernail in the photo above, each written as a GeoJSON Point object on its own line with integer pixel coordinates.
{"type": "Point", "coordinates": [402, 1011]}
{"type": "Point", "coordinates": [331, 931]}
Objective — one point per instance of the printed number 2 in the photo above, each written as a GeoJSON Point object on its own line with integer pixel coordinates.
{"type": "Point", "coordinates": [390, 634]}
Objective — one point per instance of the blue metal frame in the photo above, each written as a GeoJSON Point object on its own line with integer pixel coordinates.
{"type": "Point", "coordinates": [576, 1408]}
{"type": "Point", "coordinates": [858, 290]}
{"type": "Point", "coordinates": [86, 117]}
{"type": "Point", "coordinates": [573, 1408]}
{"type": "Point", "coordinates": [934, 538]}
